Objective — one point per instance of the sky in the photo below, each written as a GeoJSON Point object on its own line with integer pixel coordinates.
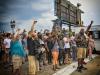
{"type": "Point", "coordinates": [24, 11]}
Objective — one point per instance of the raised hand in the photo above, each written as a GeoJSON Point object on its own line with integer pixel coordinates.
{"type": "Point", "coordinates": [34, 22]}
{"type": "Point", "coordinates": [91, 22]}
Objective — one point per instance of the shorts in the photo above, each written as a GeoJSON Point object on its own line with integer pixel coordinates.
{"type": "Point", "coordinates": [31, 65]}
{"type": "Point", "coordinates": [84, 52]}
{"type": "Point", "coordinates": [16, 61]}
{"type": "Point", "coordinates": [79, 53]}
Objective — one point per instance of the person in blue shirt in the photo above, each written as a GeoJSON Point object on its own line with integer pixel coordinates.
{"type": "Point", "coordinates": [17, 54]}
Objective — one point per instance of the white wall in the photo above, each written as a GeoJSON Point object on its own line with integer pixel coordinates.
{"type": "Point", "coordinates": [97, 45]}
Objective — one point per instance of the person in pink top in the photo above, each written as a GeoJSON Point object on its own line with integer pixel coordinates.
{"type": "Point", "coordinates": [91, 46]}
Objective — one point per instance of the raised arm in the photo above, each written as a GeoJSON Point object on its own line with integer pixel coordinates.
{"type": "Point", "coordinates": [34, 22]}
{"type": "Point", "coordinates": [88, 28]}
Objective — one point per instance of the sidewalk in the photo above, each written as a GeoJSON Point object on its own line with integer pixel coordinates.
{"type": "Point", "coordinates": [65, 69]}
{"type": "Point", "coordinates": [68, 70]}
{"type": "Point", "coordinates": [93, 68]}
{"type": "Point", "coordinates": [48, 69]}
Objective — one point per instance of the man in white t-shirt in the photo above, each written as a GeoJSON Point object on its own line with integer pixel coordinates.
{"type": "Point", "coordinates": [6, 42]}
{"type": "Point", "coordinates": [66, 40]}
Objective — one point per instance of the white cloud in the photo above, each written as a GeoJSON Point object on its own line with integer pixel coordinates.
{"type": "Point", "coordinates": [46, 1]}
{"type": "Point", "coordinates": [45, 22]}
{"type": "Point", "coordinates": [41, 6]}
{"type": "Point", "coordinates": [24, 24]}
{"type": "Point", "coordinates": [47, 14]}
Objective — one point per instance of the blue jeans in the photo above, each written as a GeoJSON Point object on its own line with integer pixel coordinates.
{"type": "Point", "coordinates": [74, 53]}
{"type": "Point", "coordinates": [61, 56]}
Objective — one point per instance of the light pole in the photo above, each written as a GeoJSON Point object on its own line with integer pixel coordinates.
{"type": "Point", "coordinates": [12, 24]}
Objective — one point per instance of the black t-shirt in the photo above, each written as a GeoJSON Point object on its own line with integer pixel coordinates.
{"type": "Point", "coordinates": [33, 46]}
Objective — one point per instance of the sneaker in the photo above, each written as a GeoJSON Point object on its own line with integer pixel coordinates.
{"type": "Point", "coordinates": [54, 68]}
{"type": "Point", "coordinates": [84, 68]}
{"type": "Point", "coordinates": [79, 69]}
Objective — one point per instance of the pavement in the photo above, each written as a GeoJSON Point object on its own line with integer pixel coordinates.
{"type": "Point", "coordinates": [68, 69]}
{"type": "Point", "coordinates": [93, 68]}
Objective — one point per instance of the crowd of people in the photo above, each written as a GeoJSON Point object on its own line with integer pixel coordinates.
{"type": "Point", "coordinates": [40, 49]}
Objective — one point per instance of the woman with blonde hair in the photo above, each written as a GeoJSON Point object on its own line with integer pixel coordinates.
{"type": "Point", "coordinates": [17, 54]}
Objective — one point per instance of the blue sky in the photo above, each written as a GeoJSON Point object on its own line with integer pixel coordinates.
{"type": "Point", "coordinates": [24, 11]}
